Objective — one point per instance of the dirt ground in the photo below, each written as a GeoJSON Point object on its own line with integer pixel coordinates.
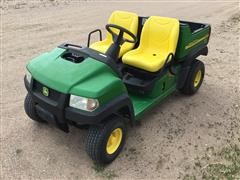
{"type": "Point", "coordinates": [183, 138]}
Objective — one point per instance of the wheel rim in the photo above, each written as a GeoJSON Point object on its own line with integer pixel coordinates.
{"type": "Point", "coordinates": [197, 78]}
{"type": "Point", "coordinates": [114, 141]}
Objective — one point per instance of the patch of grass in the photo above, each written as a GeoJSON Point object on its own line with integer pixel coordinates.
{"type": "Point", "coordinates": [98, 168]}
{"type": "Point", "coordinates": [105, 174]}
{"type": "Point", "coordinates": [198, 164]}
{"type": "Point", "coordinates": [110, 175]}
{"type": "Point", "coordinates": [217, 164]}
{"type": "Point", "coordinates": [132, 153]}
{"type": "Point", "coordinates": [160, 163]}
{"type": "Point", "coordinates": [132, 150]}
{"type": "Point", "coordinates": [18, 151]}
{"type": "Point", "coordinates": [189, 177]}
{"type": "Point", "coordinates": [235, 18]}
{"type": "Point", "coordinates": [228, 170]}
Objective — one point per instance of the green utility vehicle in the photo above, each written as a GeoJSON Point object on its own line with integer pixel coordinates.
{"type": "Point", "coordinates": [115, 81]}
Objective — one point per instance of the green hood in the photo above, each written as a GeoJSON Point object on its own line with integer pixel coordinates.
{"type": "Point", "coordinates": [89, 78]}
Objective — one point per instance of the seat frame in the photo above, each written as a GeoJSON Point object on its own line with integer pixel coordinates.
{"type": "Point", "coordinates": [143, 81]}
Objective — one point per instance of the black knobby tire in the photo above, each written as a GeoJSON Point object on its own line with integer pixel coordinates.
{"type": "Point", "coordinates": [189, 88]}
{"type": "Point", "coordinates": [30, 109]}
{"type": "Point", "coordinates": [97, 137]}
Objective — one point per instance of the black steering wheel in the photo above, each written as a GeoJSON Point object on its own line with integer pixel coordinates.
{"type": "Point", "coordinates": [119, 38]}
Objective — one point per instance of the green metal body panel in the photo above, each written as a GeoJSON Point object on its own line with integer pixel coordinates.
{"type": "Point", "coordinates": [190, 41]}
{"type": "Point", "coordinates": [163, 87]}
{"type": "Point", "coordinates": [90, 78]}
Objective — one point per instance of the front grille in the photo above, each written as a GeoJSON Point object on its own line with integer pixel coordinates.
{"type": "Point", "coordinates": [52, 94]}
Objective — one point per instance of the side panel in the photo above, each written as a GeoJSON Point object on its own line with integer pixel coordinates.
{"type": "Point", "coordinates": [163, 87]}
{"type": "Point", "coordinates": [190, 41]}
{"type": "Point", "coordinates": [166, 82]}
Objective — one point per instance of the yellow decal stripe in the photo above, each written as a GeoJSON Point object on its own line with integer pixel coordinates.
{"type": "Point", "coordinates": [193, 43]}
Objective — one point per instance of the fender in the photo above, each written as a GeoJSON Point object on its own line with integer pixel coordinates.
{"type": "Point", "coordinates": [102, 113]}
{"type": "Point", "coordinates": [186, 65]}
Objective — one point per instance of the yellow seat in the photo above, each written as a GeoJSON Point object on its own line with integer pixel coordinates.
{"type": "Point", "coordinates": [158, 39]}
{"type": "Point", "coordinates": [127, 20]}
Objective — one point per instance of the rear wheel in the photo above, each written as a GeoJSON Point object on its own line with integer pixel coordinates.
{"type": "Point", "coordinates": [104, 143]}
{"type": "Point", "coordinates": [194, 79]}
{"type": "Point", "coordinates": [30, 109]}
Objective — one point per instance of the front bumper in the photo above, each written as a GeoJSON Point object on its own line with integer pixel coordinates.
{"type": "Point", "coordinates": [55, 108]}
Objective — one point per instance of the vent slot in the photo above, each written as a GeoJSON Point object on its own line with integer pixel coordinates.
{"type": "Point", "coordinates": [73, 57]}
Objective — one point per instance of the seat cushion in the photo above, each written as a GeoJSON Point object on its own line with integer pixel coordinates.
{"type": "Point", "coordinates": [147, 60]}
{"type": "Point", "coordinates": [124, 19]}
{"type": "Point", "coordinates": [102, 46]}
{"type": "Point", "coordinates": [158, 39]}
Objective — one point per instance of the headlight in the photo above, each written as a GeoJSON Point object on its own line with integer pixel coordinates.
{"type": "Point", "coordinates": [83, 103]}
{"type": "Point", "coordinates": [28, 76]}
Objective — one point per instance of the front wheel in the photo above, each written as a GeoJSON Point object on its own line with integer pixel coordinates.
{"type": "Point", "coordinates": [194, 79]}
{"type": "Point", "coordinates": [104, 143]}
{"type": "Point", "coordinates": [29, 107]}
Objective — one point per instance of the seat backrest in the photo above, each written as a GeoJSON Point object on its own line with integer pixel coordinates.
{"type": "Point", "coordinates": [125, 19]}
{"type": "Point", "coordinates": [160, 35]}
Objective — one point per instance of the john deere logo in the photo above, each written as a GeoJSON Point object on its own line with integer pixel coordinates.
{"type": "Point", "coordinates": [45, 91]}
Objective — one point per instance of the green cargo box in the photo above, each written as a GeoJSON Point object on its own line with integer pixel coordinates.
{"type": "Point", "coordinates": [193, 36]}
